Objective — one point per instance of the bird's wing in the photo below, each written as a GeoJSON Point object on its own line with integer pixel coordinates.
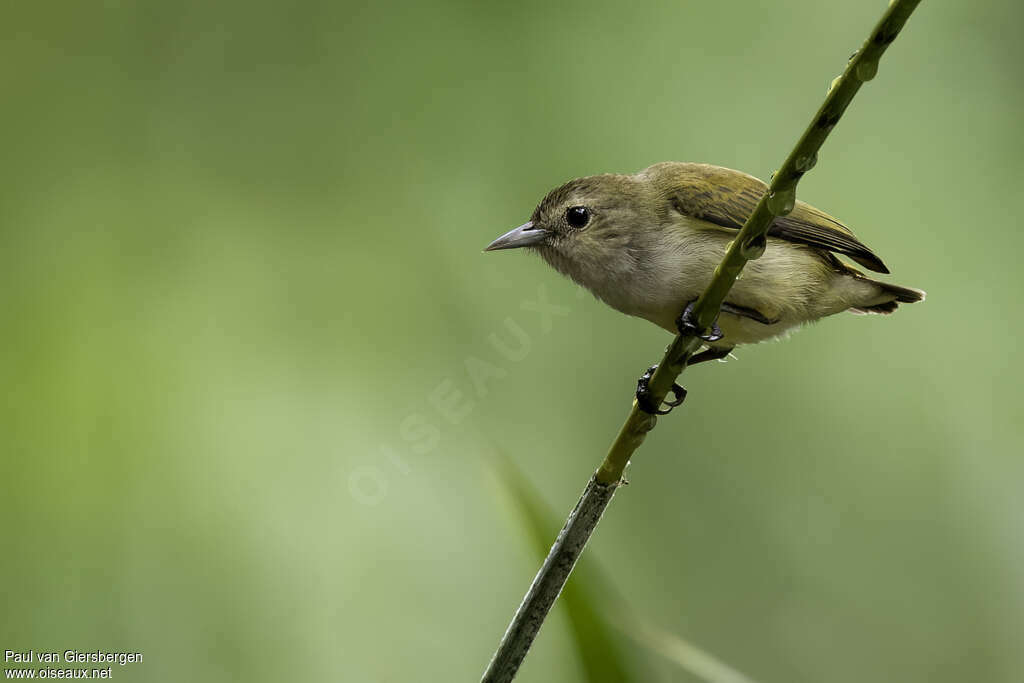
{"type": "Point", "coordinates": [726, 198]}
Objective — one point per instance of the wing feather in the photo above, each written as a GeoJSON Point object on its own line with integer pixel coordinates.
{"type": "Point", "coordinates": [726, 198]}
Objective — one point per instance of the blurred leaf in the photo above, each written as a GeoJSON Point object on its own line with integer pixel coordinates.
{"type": "Point", "coordinates": [682, 653]}
{"type": "Point", "coordinates": [599, 650]}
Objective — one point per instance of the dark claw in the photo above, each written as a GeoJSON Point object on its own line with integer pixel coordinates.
{"type": "Point", "coordinates": [714, 334]}
{"type": "Point", "coordinates": [680, 395]}
{"type": "Point", "coordinates": [686, 325]}
{"type": "Point", "coordinates": [643, 395]}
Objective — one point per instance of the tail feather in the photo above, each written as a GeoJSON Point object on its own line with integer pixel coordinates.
{"type": "Point", "coordinates": [888, 298]}
{"type": "Point", "coordinates": [904, 295]}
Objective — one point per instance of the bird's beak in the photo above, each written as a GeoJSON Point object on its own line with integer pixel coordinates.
{"type": "Point", "coordinates": [523, 236]}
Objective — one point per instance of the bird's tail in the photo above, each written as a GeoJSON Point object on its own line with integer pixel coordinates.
{"type": "Point", "coordinates": [887, 297]}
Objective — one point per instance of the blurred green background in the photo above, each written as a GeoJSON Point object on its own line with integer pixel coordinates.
{"type": "Point", "coordinates": [244, 301]}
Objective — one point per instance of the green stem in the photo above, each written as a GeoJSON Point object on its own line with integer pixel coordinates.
{"type": "Point", "coordinates": [748, 245]}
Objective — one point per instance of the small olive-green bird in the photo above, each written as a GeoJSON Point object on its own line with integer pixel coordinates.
{"type": "Point", "coordinates": [647, 244]}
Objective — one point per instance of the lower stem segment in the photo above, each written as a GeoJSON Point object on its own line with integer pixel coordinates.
{"type": "Point", "coordinates": [548, 583]}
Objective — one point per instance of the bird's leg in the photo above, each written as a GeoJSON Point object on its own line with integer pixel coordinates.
{"type": "Point", "coordinates": [643, 395]}
{"type": "Point", "coordinates": [686, 325]}
{"type": "Point", "coordinates": [712, 353]}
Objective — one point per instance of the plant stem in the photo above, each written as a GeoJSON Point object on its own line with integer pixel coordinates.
{"type": "Point", "coordinates": [749, 244]}
{"type": "Point", "coordinates": [549, 581]}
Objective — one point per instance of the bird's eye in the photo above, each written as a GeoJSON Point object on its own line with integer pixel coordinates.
{"type": "Point", "coordinates": [577, 216]}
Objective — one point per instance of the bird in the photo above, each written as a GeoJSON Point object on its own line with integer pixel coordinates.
{"type": "Point", "coordinates": [648, 243]}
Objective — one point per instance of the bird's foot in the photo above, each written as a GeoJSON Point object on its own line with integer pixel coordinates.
{"type": "Point", "coordinates": [646, 403]}
{"type": "Point", "coordinates": [687, 325]}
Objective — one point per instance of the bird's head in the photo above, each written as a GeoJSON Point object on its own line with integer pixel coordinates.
{"type": "Point", "coordinates": [586, 225]}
